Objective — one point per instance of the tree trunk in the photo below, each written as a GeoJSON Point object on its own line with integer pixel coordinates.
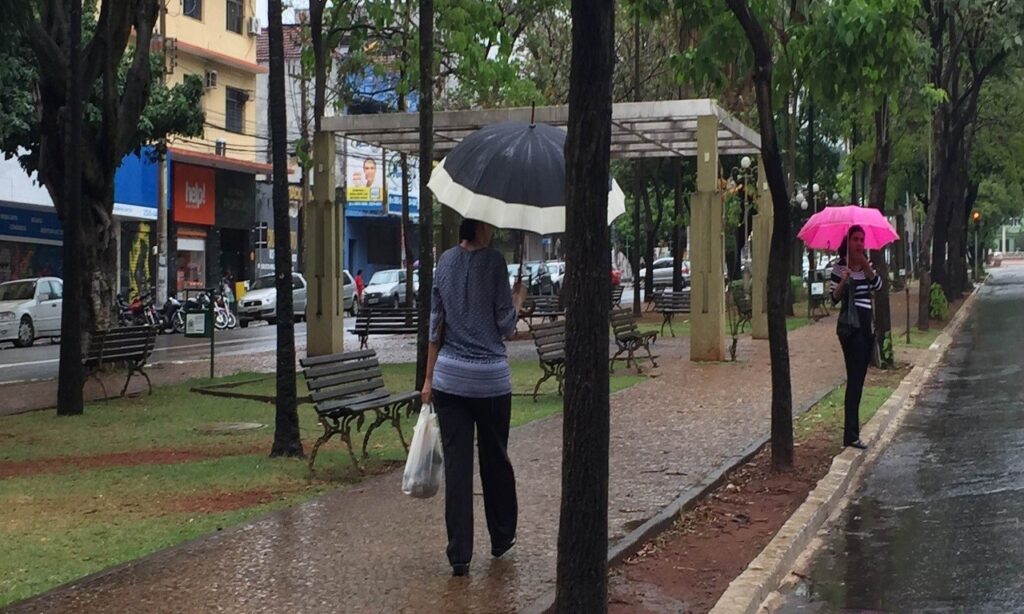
{"type": "Point", "coordinates": [638, 186]}
{"type": "Point", "coordinates": [582, 568]}
{"type": "Point", "coordinates": [678, 238]}
{"type": "Point", "coordinates": [287, 441]}
{"type": "Point", "coordinates": [70, 374]}
{"type": "Point", "coordinates": [931, 220]}
{"type": "Point", "coordinates": [879, 183]}
{"type": "Point", "coordinates": [778, 276]}
{"type": "Point", "coordinates": [410, 256]}
{"type": "Point", "coordinates": [321, 60]}
{"type": "Point", "coordinates": [426, 104]}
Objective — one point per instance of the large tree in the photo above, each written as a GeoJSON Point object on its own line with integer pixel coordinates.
{"type": "Point", "coordinates": [582, 575]}
{"type": "Point", "coordinates": [125, 106]}
{"type": "Point", "coordinates": [778, 261]}
{"type": "Point", "coordinates": [286, 423]}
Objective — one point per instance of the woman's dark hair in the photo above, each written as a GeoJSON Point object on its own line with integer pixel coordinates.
{"type": "Point", "coordinates": [843, 247]}
{"type": "Point", "coordinates": [467, 229]}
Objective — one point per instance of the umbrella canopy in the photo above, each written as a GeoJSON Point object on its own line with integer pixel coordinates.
{"type": "Point", "coordinates": [826, 228]}
{"type": "Point", "coordinates": [512, 175]}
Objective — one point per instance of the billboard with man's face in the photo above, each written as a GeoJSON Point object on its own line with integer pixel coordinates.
{"type": "Point", "coordinates": [365, 175]}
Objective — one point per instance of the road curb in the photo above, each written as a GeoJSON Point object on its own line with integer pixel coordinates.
{"type": "Point", "coordinates": [747, 593]}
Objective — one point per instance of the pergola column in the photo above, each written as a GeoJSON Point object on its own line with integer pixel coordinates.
{"type": "Point", "coordinates": [707, 242]}
{"type": "Point", "coordinates": [763, 223]}
{"type": "Point", "coordinates": [324, 230]}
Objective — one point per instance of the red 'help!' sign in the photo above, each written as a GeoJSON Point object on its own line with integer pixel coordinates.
{"type": "Point", "coordinates": [194, 194]}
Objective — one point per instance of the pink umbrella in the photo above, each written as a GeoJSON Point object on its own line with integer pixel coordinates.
{"type": "Point", "coordinates": [826, 228]}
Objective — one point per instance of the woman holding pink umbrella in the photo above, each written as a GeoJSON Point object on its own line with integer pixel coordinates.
{"type": "Point", "coordinates": [855, 229]}
{"type": "Point", "coordinates": [853, 283]}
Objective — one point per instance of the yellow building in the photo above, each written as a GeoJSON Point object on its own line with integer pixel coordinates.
{"type": "Point", "coordinates": [212, 186]}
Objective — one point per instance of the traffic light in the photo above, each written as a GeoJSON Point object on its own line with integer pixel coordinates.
{"type": "Point", "coordinates": [976, 216]}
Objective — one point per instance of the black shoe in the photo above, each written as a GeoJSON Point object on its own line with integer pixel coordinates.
{"type": "Point", "coordinates": [497, 551]}
{"type": "Point", "coordinates": [860, 445]}
{"type": "Point", "coordinates": [462, 569]}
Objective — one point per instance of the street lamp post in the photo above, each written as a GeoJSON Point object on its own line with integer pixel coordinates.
{"type": "Point", "coordinates": [743, 176]}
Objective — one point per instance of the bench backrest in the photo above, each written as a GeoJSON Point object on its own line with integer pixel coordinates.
{"type": "Point", "coordinates": [740, 298]}
{"type": "Point", "coordinates": [550, 340]}
{"type": "Point", "coordinates": [542, 304]}
{"type": "Point", "coordinates": [673, 301]}
{"type": "Point", "coordinates": [622, 321]}
{"type": "Point", "coordinates": [398, 321]}
{"type": "Point", "coordinates": [348, 375]}
{"type": "Point", "coordinates": [617, 294]}
{"type": "Point", "coordinates": [124, 344]}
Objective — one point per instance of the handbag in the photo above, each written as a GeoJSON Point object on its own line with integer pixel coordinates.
{"type": "Point", "coordinates": [849, 318]}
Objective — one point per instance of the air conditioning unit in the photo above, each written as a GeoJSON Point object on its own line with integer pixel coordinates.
{"type": "Point", "coordinates": [253, 26]}
{"type": "Point", "coordinates": [211, 79]}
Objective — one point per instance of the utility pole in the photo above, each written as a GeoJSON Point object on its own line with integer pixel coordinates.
{"type": "Point", "coordinates": [637, 179]}
{"type": "Point", "coordinates": [304, 122]}
{"type": "Point", "coordinates": [161, 211]}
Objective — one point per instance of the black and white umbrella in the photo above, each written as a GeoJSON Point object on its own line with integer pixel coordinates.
{"type": "Point", "coordinates": [512, 175]}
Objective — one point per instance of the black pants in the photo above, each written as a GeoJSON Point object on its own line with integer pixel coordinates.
{"type": "Point", "coordinates": [491, 416]}
{"type": "Point", "coordinates": [858, 344]}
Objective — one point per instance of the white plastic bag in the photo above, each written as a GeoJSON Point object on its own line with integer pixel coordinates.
{"type": "Point", "coordinates": [423, 467]}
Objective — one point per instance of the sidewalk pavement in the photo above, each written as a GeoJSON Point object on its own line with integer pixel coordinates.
{"type": "Point", "coordinates": [371, 549]}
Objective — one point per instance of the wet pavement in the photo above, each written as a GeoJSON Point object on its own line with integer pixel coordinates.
{"type": "Point", "coordinates": [938, 524]}
{"type": "Point", "coordinates": [369, 548]}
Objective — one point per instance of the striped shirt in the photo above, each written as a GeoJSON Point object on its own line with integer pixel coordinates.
{"type": "Point", "coordinates": [862, 288]}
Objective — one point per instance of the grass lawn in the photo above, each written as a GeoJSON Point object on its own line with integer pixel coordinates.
{"type": "Point", "coordinates": [918, 339]}
{"type": "Point", "coordinates": [829, 411]}
{"type": "Point", "coordinates": [133, 476]}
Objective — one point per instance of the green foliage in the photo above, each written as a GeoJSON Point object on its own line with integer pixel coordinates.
{"type": "Point", "coordinates": [938, 305]}
{"type": "Point", "coordinates": [170, 110]}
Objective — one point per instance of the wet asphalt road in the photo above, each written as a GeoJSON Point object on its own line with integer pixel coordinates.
{"type": "Point", "coordinates": [938, 525]}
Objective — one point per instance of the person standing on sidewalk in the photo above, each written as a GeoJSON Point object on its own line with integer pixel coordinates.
{"type": "Point", "coordinates": [853, 282]}
{"type": "Point", "coordinates": [469, 380]}
{"type": "Point", "coordinates": [360, 285]}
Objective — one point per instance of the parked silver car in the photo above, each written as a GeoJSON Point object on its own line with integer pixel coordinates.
{"type": "Point", "coordinates": [387, 288]}
{"type": "Point", "coordinates": [259, 302]}
{"type": "Point", "coordinates": [663, 272]}
{"type": "Point", "coordinates": [30, 309]}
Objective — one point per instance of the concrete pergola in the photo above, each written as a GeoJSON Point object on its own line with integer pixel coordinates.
{"type": "Point", "coordinates": [660, 129]}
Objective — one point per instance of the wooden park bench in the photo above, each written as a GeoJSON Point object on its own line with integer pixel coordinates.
{"type": "Point", "coordinates": [345, 388]}
{"type": "Point", "coordinates": [629, 339]}
{"type": "Point", "coordinates": [669, 304]}
{"type": "Point", "coordinates": [549, 337]}
{"type": "Point", "coordinates": [128, 346]}
{"type": "Point", "coordinates": [739, 300]}
{"type": "Point", "coordinates": [544, 307]}
{"type": "Point", "coordinates": [385, 321]}
{"type": "Point", "coordinates": [616, 296]}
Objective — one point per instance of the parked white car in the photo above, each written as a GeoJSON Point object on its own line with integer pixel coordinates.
{"type": "Point", "coordinates": [387, 288]}
{"type": "Point", "coordinates": [30, 309]}
{"type": "Point", "coordinates": [663, 272]}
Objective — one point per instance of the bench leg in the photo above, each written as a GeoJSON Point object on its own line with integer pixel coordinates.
{"type": "Point", "coordinates": [148, 381]}
{"type": "Point", "coordinates": [127, 381]}
{"type": "Point", "coordinates": [396, 421]}
{"type": "Point", "coordinates": [95, 375]}
{"type": "Point", "coordinates": [329, 432]}
{"type": "Point", "coordinates": [611, 363]}
{"type": "Point", "coordinates": [346, 435]}
{"type": "Point", "coordinates": [647, 346]}
{"type": "Point", "coordinates": [382, 415]}
{"type": "Point", "coordinates": [548, 372]}
{"type": "Point", "coordinates": [364, 342]}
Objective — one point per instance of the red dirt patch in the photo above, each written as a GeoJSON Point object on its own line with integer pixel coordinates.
{"type": "Point", "coordinates": [131, 458]}
{"type": "Point", "coordinates": [219, 501]}
{"type": "Point", "coordinates": [689, 567]}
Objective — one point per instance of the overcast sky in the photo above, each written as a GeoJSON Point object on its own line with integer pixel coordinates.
{"type": "Point", "coordinates": [287, 16]}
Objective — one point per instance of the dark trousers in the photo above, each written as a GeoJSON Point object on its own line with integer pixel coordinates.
{"type": "Point", "coordinates": [858, 344]}
{"type": "Point", "coordinates": [491, 416]}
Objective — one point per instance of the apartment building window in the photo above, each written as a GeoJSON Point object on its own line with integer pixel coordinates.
{"type": "Point", "coordinates": [235, 16]}
{"type": "Point", "coordinates": [234, 113]}
{"type": "Point", "coordinates": [193, 9]}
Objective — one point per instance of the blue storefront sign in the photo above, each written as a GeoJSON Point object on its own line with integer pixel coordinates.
{"type": "Point", "coordinates": [17, 224]}
{"type": "Point", "coordinates": [136, 186]}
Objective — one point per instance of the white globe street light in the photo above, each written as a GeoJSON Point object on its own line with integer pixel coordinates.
{"type": "Point", "coordinates": [745, 162]}
{"type": "Point", "coordinates": [815, 188]}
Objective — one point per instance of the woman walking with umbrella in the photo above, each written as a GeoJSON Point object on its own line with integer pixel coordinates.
{"type": "Point", "coordinates": [470, 382]}
{"type": "Point", "coordinates": [854, 229]}
{"type": "Point", "coordinates": [852, 284]}
{"type": "Point", "coordinates": [509, 175]}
